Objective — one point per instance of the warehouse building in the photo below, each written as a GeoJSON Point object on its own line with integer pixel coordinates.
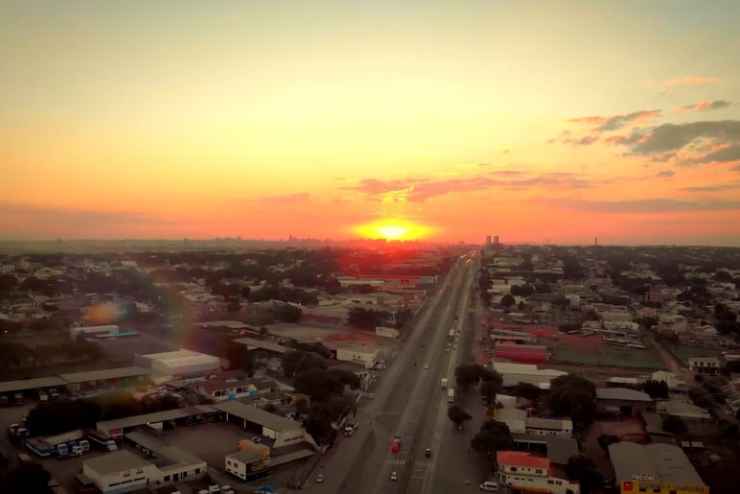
{"type": "Point", "coordinates": [179, 363]}
{"type": "Point", "coordinates": [157, 420]}
{"type": "Point", "coordinates": [15, 390]}
{"type": "Point", "coordinates": [281, 431]}
{"type": "Point", "coordinates": [366, 356]}
{"type": "Point", "coordinates": [514, 374]}
{"type": "Point", "coordinates": [122, 376]}
{"type": "Point", "coordinates": [656, 468]}
{"type": "Point", "coordinates": [255, 345]}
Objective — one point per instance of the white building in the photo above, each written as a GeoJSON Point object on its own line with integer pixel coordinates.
{"type": "Point", "coordinates": [529, 473]}
{"type": "Point", "coordinates": [514, 418]}
{"type": "Point", "coordinates": [179, 363]}
{"type": "Point", "coordinates": [107, 331]}
{"type": "Point", "coordinates": [514, 374]}
{"type": "Point", "coordinates": [242, 463]}
{"type": "Point", "coordinates": [705, 365]}
{"type": "Point", "coordinates": [281, 430]}
{"type": "Point", "coordinates": [362, 355]}
{"type": "Point", "coordinates": [123, 471]}
{"type": "Point", "coordinates": [670, 378]}
{"type": "Point", "coordinates": [549, 427]}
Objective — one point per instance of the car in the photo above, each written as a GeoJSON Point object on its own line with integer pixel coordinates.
{"type": "Point", "coordinates": [428, 452]}
{"type": "Point", "coordinates": [320, 478]}
{"type": "Point", "coordinates": [426, 366]}
{"type": "Point", "coordinates": [394, 476]}
{"type": "Point", "coordinates": [489, 486]}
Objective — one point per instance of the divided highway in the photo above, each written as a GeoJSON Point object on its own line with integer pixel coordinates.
{"type": "Point", "coordinates": [408, 402]}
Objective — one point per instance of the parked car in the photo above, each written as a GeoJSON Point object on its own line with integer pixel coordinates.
{"type": "Point", "coordinates": [320, 478]}
{"type": "Point", "coordinates": [428, 453]}
{"type": "Point", "coordinates": [489, 486]}
{"type": "Point", "coordinates": [394, 476]}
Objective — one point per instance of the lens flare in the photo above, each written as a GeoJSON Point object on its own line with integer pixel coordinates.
{"type": "Point", "coordinates": [392, 229]}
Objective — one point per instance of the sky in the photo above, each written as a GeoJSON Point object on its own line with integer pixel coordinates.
{"type": "Point", "coordinates": [554, 121]}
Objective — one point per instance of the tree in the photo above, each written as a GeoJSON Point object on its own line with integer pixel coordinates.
{"type": "Point", "coordinates": [488, 391]}
{"type": "Point", "coordinates": [27, 477]}
{"type": "Point", "coordinates": [674, 425]}
{"type": "Point", "coordinates": [507, 301]}
{"type": "Point", "coordinates": [582, 469]}
{"type": "Point", "coordinates": [723, 276]}
{"type": "Point", "coordinates": [573, 396]}
{"type": "Point", "coordinates": [656, 389]}
{"type": "Point", "coordinates": [62, 416]}
{"type": "Point", "coordinates": [605, 440]}
{"type": "Point", "coordinates": [467, 375]}
{"type": "Point", "coordinates": [457, 415]}
{"type": "Point", "coordinates": [286, 313]}
{"type": "Point", "coordinates": [493, 436]}
{"type": "Point", "coordinates": [361, 317]}
{"type": "Point", "coordinates": [701, 397]}
{"type": "Point", "coordinates": [296, 362]}
{"type": "Point", "coordinates": [527, 391]}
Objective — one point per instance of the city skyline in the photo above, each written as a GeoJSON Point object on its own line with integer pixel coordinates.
{"type": "Point", "coordinates": [437, 120]}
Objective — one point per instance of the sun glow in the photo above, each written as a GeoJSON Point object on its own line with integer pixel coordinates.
{"type": "Point", "coordinates": [393, 229]}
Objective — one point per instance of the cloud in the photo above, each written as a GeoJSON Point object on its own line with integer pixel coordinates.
{"type": "Point", "coordinates": [642, 206]}
{"type": "Point", "coordinates": [689, 81]}
{"type": "Point", "coordinates": [665, 174]}
{"type": "Point", "coordinates": [616, 122]}
{"type": "Point", "coordinates": [422, 189]}
{"type": "Point", "coordinates": [704, 105]}
{"type": "Point", "coordinates": [713, 188]}
{"type": "Point", "coordinates": [74, 217]}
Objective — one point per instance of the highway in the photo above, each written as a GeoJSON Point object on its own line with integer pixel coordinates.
{"type": "Point", "coordinates": [409, 402]}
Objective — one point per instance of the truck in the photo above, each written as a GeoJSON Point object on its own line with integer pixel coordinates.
{"type": "Point", "coordinates": [443, 382]}
{"type": "Point", "coordinates": [60, 445]}
{"type": "Point", "coordinates": [102, 440]}
{"type": "Point", "coordinates": [450, 395]}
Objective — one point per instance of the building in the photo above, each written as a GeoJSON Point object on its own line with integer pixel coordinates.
{"type": "Point", "coordinates": [219, 389]}
{"type": "Point", "coordinates": [123, 471]}
{"type": "Point", "coordinates": [9, 389]}
{"type": "Point", "coordinates": [697, 419]}
{"type": "Point", "coordinates": [179, 363]}
{"type": "Point", "coordinates": [514, 418]}
{"type": "Point", "coordinates": [121, 376]}
{"type": "Point", "coordinates": [516, 352]}
{"type": "Point", "coordinates": [557, 449]}
{"type": "Point", "coordinates": [368, 357]}
{"type": "Point", "coordinates": [157, 420]}
{"type": "Point", "coordinates": [705, 365]}
{"type": "Point", "coordinates": [658, 468]}
{"type": "Point", "coordinates": [250, 458]}
{"type": "Point", "coordinates": [549, 427]}
{"type": "Point", "coordinates": [513, 374]}
{"type": "Point", "coordinates": [280, 430]}
{"type": "Point", "coordinates": [526, 472]}
{"type": "Point", "coordinates": [257, 345]}
{"type": "Point", "coordinates": [670, 378]}
{"type": "Point", "coordinates": [625, 401]}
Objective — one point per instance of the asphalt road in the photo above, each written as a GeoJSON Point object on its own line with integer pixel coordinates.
{"type": "Point", "coordinates": [409, 402]}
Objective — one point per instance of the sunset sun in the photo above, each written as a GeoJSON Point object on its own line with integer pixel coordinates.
{"type": "Point", "coordinates": [392, 229]}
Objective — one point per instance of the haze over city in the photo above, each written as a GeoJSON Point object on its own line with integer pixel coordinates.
{"type": "Point", "coordinates": [544, 121]}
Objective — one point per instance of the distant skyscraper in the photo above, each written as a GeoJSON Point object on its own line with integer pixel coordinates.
{"type": "Point", "coordinates": [488, 240]}
{"type": "Point", "coordinates": [596, 241]}
{"type": "Point", "coordinates": [496, 240]}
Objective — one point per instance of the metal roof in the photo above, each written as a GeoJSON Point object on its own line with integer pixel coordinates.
{"type": "Point", "coordinates": [117, 461]}
{"type": "Point", "coordinates": [105, 374]}
{"type": "Point", "coordinates": [623, 394]}
{"type": "Point", "coordinates": [27, 384]}
{"type": "Point", "coordinates": [658, 462]}
{"type": "Point", "coordinates": [265, 345]}
{"type": "Point", "coordinates": [258, 416]}
{"type": "Point", "coordinates": [152, 418]}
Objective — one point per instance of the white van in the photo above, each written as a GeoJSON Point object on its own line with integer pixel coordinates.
{"type": "Point", "coordinates": [489, 486]}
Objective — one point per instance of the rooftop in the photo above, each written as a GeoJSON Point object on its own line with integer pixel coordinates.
{"type": "Point", "coordinates": [25, 384]}
{"type": "Point", "coordinates": [683, 409]}
{"type": "Point", "coordinates": [148, 418]}
{"type": "Point", "coordinates": [552, 424]}
{"type": "Point", "coordinates": [116, 462]}
{"type": "Point", "coordinates": [657, 461]}
{"type": "Point", "coordinates": [624, 394]}
{"type": "Point", "coordinates": [253, 343]}
{"type": "Point", "coordinates": [105, 374]}
{"type": "Point", "coordinates": [521, 458]}
{"type": "Point", "coordinates": [258, 416]}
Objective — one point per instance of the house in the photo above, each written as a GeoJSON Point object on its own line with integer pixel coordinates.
{"type": "Point", "coordinates": [366, 356]}
{"type": "Point", "coordinates": [705, 365]}
{"type": "Point", "coordinates": [526, 472]}
{"type": "Point", "coordinates": [625, 401]}
{"type": "Point", "coordinates": [549, 427]}
{"type": "Point", "coordinates": [658, 468]}
{"type": "Point", "coordinates": [514, 418]}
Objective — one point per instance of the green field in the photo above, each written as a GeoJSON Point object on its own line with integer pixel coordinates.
{"type": "Point", "coordinates": [684, 353]}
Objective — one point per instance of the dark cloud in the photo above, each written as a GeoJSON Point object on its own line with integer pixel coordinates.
{"type": "Point", "coordinates": [605, 124]}
{"type": "Point", "coordinates": [419, 190]}
{"type": "Point", "coordinates": [713, 188]}
{"type": "Point", "coordinates": [619, 121]}
{"type": "Point", "coordinates": [705, 106]}
{"type": "Point", "coordinates": [642, 206]}
{"type": "Point", "coordinates": [665, 174]}
{"type": "Point", "coordinates": [667, 138]}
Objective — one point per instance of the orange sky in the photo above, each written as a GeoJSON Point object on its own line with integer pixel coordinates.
{"type": "Point", "coordinates": [162, 119]}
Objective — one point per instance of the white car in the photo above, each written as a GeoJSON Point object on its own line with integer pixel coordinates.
{"type": "Point", "coordinates": [320, 478]}
{"type": "Point", "coordinates": [489, 486]}
{"type": "Point", "coordinates": [426, 366]}
{"type": "Point", "coordinates": [394, 476]}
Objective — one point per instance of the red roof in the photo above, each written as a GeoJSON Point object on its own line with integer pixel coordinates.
{"type": "Point", "coordinates": [522, 459]}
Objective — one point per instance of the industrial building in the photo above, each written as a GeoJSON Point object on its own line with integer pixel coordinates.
{"type": "Point", "coordinates": [106, 331]}
{"type": "Point", "coordinates": [623, 400]}
{"type": "Point", "coordinates": [368, 357]}
{"type": "Point", "coordinates": [179, 363]}
{"type": "Point", "coordinates": [514, 374]}
{"type": "Point", "coordinates": [158, 420]}
{"type": "Point", "coordinates": [656, 468]}
{"type": "Point", "coordinates": [77, 381]}
{"type": "Point", "coordinates": [254, 344]}
{"type": "Point", "coordinates": [279, 430]}
{"type": "Point", "coordinates": [530, 473]}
